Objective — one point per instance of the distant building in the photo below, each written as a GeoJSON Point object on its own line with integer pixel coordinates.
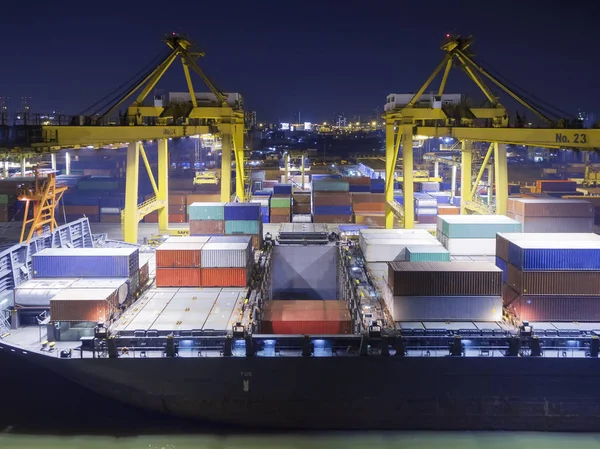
{"type": "Point", "coordinates": [250, 118]}
{"type": "Point", "coordinates": [234, 100]}
{"type": "Point", "coordinates": [587, 119]}
{"type": "Point", "coordinates": [396, 101]}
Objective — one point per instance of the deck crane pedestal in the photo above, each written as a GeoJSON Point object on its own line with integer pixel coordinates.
{"type": "Point", "coordinates": [467, 124]}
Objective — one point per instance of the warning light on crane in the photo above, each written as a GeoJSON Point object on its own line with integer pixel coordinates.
{"type": "Point", "coordinates": [448, 35]}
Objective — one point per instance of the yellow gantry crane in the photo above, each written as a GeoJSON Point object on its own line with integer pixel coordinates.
{"type": "Point", "coordinates": [43, 198]}
{"type": "Point", "coordinates": [481, 124]}
{"type": "Point", "coordinates": [149, 123]}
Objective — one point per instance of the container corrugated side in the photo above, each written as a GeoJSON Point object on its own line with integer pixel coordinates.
{"type": "Point", "coordinates": [555, 255]}
{"type": "Point", "coordinates": [551, 207]}
{"type": "Point", "coordinates": [84, 305]}
{"type": "Point", "coordinates": [576, 283]}
{"type": "Point", "coordinates": [383, 250]}
{"type": "Point", "coordinates": [242, 211]}
{"type": "Point", "coordinates": [503, 239]}
{"type": "Point", "coordinates": [174, 255]}
{"type": "Point", "coordinates": [330, 185]}
{"type": "Point", "coordinates": [224, 277]}
{"type": "Point", "coordinates": [204, 227]}
{"type": "Point", "coordinates": [51, 263]}
{"type": "Point", "coordinates": [242, 227]}
{"type": "Point", "coordinates": [280, 202]}
{"type": "Point", "coordinates": [447, 308]}
{"type": "Point", "coordinates": [226, 255]}
{"type": "Point", "coordinates": [332, 210]}
{"type": "Point", "coordinates": [555, 224]}
{"type": "Point", "coordinates": [444, 279]}
{"type": "Point", "coordinates": [178, 277]}
{"type": "Point", "coordinates": [207, 211]}
{"type": "Point", "coordinates": [503, 265]}
{"type": "Point", "coordinates": [427, 254]}
{"type": "Point", "coordinates": [476, 226]}
{"type": "Point", "coordinates": [306, 318]}
{"type": "Point", "coordinates": [469, 247]}
{"type": "Point", "coordinates": [557, 308]}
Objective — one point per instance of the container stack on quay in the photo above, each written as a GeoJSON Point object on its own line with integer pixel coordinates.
{"type": "Point", "coordinates": [551, 277]}
{"type": "Point", "coordinates": [306, 317]}
{"type": "Point", "coordinates": [331, 201]}
{"type": "Point", "coordinates": [178, 263]}
{"type": "Point", "coordinates": [473, 235]}
{"type": "Point", "coordinates": [552, 215]}
{"type": "Point", "coordinates": [369, 209]}
{"type": "Point", "coordinates": [243, 219]}
{"type": "Point", "coordinates": [443, 291]}
{"type": "Point", "coordinates": [388, 245]}
{"type": "Point", "coordinates": [207, 218]}
{"type": "Point", "coordinates": [358, 184]}
{"type": "Point", "coordinates": [281, 208]}
{"type": "Point", "coordinates": [301, 211]}
{"type": "Point", "coordinates": [425, 207]}
{"type": "Point", "coordinates": [555, 187]}
{"type": "Point", "coordinates": [263, 201]}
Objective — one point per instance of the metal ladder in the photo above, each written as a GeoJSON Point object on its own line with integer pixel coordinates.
{"type": "Point", "coordinates": [4, 325]}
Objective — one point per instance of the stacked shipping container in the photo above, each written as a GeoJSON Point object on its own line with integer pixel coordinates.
{"type": "Point", "coordinates": [552, 215]}
{"type": "Point", "coordinates": [551, 277]}
{"type": "Point", "coordinates": [207, 218]}
{"type": "Point", "coordinates": [281, 208]}
{"type": "Point", "coordinates": [473, 235]}
{"type": "Point", "coordinates": [369, 208]}
{"type": "Point", "coordinates": [442, 291]}
{"type": "Point", "coordinates": [227, 264]}
{"type": "Point", "coordinates": [331, 201]}
{"type": "Point", "coordinates": [387, 245]}
{"type": "Point", "coordinates": [244, 219]}
{"type": "Point", "coordinates": [178, 263]}
{"type": "Point", "coordinates": [306, 318]}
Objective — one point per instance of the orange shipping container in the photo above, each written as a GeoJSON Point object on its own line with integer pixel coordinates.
{"type": "Point", "coordinates": [84, 304]}
{"type": "Point", "coordinates": [224, 277]}
{"type": "Point", "coordinates": [280, 211]}
{"type": "Point", "coordinates": [207, 227]}
{"type": "Point", "coordinates": [448, 210]}
{"type": "Point", "coordinates": [368, 207]}
{"type": "Point", "coordinates": [280, 219]}
{"type": "Point", "coordinates": [178, 277]}
{"type": "Point", "coordinates": [179, 255]}
{"type": "Point", "coordinates": [203, 198]}
{"type": "Point", "coordinates": [368, 198]}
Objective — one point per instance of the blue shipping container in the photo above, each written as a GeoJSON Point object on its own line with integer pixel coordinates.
{"type": "Point", "coordinates": [78, 200]}
{"type": "Point", "coordinates": [266, 219]}
{"type": "Point", "coordinates": [352, 228]}
{"type": "Point", "coordinates": [504, 267]}
{"type": "Point", "coordinates": [262, 193]}
{"type": "Point", "coordinates": [242, 211]}
{"type": "Point", "coordinates": [555, 256]}
{"type": "Point", "coordinates": [360, 188]}
{"type": "Point", "coordinates": [283, 189]}
{"type": "Point", "coordinates": [85, 262]}
{"type": "Point", "coordinates": [332, 210]}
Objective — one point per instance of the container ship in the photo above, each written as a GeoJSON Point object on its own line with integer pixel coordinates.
{"type": "Point", "coordinates": [469, 322]}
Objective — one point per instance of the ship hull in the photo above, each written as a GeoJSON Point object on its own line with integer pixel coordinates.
{"type": "Point", "coordinates": [350, 392]}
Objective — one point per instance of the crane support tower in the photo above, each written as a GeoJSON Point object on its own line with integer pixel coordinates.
{"type": "Point", "coordinates": [489, 124]}
{"type": "Point", "coordinates": [43, 198]}
{"type": "Point", "coordinates": [144, 124]}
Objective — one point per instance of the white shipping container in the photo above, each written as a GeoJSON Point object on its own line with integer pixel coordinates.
{"type": "Point", "coordinates": [119, 284]}
{"type": "Point", "coordinates": [110, 210]}
{"type": "Point", "coordinates": [447, 308]}
{"type": "Point", "coordinates": [469, 247]}
{"type": "Point", "coordinates": [390, 250]}
{"type": "Point", "coordinates": [39, 292]}
{"type": "Point", "coordinates": [226, 255]}
{"type": "Point", "coordinates": [556, 224]}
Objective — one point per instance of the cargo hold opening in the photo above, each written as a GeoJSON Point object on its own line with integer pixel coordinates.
{"type": "Point", "coordinates": [305, 273]}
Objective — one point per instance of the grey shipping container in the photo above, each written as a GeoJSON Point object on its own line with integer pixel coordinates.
{"type": "Point", "coordinates": [580, 283]}
{"type": "Point", "coordinates": [557, 308]}
{"type": "Point", "coordinates": [226, 255]}
{"type": "Point", "coordinates": [447, 308]}
{"type": "Point", "coordinates": [444, 279]}
{"type": "Point", "coordinates": [555, 224]}
{"type": "Point", "coordinates": [550, 207]}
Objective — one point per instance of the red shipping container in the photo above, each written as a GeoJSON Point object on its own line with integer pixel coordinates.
{"type": "Point", "coordinates": [280, 211]}
{"type": "Point", "coordinates": [368, 207]}
{"type": "Point", "coordinates": [368, 198]}
{"type": "Point", "coordinates": [178, 277]}
{"type": "Point", "coordinates": [207, 227]}
{"type": "Point", "coordinates": [332, 199]}
{"type": "Point", "coordinates": [224, 277]}
{"type": "Point", "coordinates": [306, 318]}
{"type": "Point", "coordinates": [331, 218]}
{"type": "Point", "coordinates": [177, 218]}
{"type": "Point", "coordinates": [179, 255]}
{"type": "Point", "coordinates": [280, 219]}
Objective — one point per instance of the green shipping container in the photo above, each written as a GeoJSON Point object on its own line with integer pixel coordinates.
{"type": "Point", "coordinates": [98, 184]}
{"type": "Point", "coordinates": [427, 254]}
{"type": "Point", "coordinates": [7, 199]}
{"type": "Point", "coordinates": [330, 185]}
{"type": "Point", "coordinates": [242, 227]}
{"type": "Point", "coordinates": [207, 211]}
{"type": "Point", "coordinates": [281, 202]}
{"type": "Point", "coordinates": [476, 226]}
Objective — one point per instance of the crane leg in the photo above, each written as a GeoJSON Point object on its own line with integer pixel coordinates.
{"type": "Point", "coordinates": [238, 136]}
{"type": "Point", "coordinates": [226, 140]}
{"type": "Point", "coordinates": [163, 183]}
{"type": "Point", "coordinates": [501, 172]}
{"type": "Point", "coordinates": [465, 175]}
{"type": "Point", "coordinates": [407, 177]}
{"type": "Point", "coordinates": [130, 216]}
{"type": "Point", "coordinates": [390, 165]}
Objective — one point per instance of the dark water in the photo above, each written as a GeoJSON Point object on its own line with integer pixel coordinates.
{"type": "Point", "coordinates": [42, 410]}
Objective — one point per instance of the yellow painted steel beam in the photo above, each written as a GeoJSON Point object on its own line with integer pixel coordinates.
{"type": "Point", "coordinates": [54, 138]}
{"type": "Point", "coordinates": [481, 170]}
{"type": "Point", "coordinates": [424, 87]}
{"type": "Point", "coordinates": [391, 155]}
{"type": "Point", "coordinates": [148, 169]}
{"type": "Point", "coordinates": [227, 143]}
{"type": "Point", "coordinates": [586, 139]}
{"type": "Point", "coordinates": [163, 184]}
{"type": "Point", "coordinates": [501, 177]}
{"type": "Point", "coordinates": [465, 175]}
{"type": "Point", "coordinates": [445, 77]}
{"type": "Point", "coordinates": [188, 80]}
{"type": "Point", "coordinates": [238, 151]}
{"type": "Point", "coordinates": [478, 81]}
{"type": "Point", "coordinates": [130, 214]}
{"type": "Point", "coordinates": [407, 182]}
{"type": "Point", "coordinates": [424, 113]}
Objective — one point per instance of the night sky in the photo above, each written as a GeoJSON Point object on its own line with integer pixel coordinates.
{"type": "Point", "coordinates": [302, 56]}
